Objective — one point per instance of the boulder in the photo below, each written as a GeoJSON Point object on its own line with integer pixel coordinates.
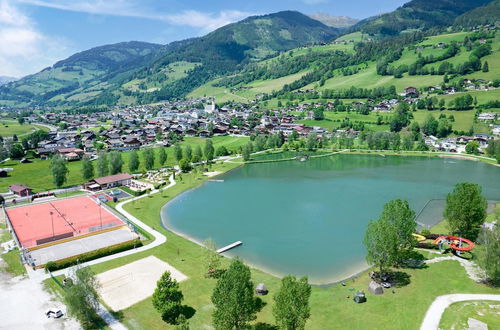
{"type": "Point", "coordinates": [375, 288]}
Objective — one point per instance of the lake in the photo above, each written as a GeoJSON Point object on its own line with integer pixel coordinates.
{"type": "Point", "coordinates": [309, 218]}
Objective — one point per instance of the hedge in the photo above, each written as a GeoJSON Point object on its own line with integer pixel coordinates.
{"type": "Point", "coordinates": [91, 255]}
{"type": "Point", "coordinates": [133, 192]}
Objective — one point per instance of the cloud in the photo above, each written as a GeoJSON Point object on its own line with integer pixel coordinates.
{"type": "Point", "coordinates": [23, 49]}
{"type": "Point", "coordinates": [206, 22]}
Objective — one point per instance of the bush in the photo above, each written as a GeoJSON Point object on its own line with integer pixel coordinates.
{"type": "Point", "coordinates": [50, 266]}
{"type": "Point", "coordinates": [432, 236]}
{"type": "Point", "coordinates": [91, 255]}
{"type": "Point", "coordinates": [426, 245]}
{"type": "Point", "coordinates": [425, 232]}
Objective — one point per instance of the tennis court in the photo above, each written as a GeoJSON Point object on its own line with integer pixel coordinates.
{"type": "Point", "coordinates": [38, 224]}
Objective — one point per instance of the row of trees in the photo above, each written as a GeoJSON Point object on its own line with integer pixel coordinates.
{"type": "Point", "coordinates": [235, 302]}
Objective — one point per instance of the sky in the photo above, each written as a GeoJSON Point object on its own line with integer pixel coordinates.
{"type": "Point", "coordinates": [35, 34]}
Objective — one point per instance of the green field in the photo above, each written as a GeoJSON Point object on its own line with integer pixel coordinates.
{"type": "Point", "coordinates": [463, 119]}
{"type": "Point", "coordinates": [13, 263]}
{"type": "Point", "coordinates": [457, 315]}
{"type": "Point", "coordinates": [9, 128]}
{"type": "Point", "coordinates": [333, 120]}
{"type": "Point", "coordinates": [446, 38]}
{"type": "Point", "coordinates": [403, 309]}
{"type": "Point", "coordinates": [356, 36]}
{"type": "Point", "coordinates": [38, 176]}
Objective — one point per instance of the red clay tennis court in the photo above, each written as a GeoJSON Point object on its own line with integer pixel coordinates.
{"type": "Point", "coordinates": [46, 222]}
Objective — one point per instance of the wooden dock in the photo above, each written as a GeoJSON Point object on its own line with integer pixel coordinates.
{"type": "Point", "coordinates": [215, 180]}
{"type": "Point", "coordinates": [229, 247]}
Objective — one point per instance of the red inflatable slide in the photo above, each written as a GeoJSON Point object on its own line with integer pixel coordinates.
{"type": "Point", "coordinates": [456, 243]}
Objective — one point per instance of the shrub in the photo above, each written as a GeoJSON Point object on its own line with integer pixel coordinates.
{"type": "Point", "coordinates": [91, 255]}
{"type": "Point", "coordinates": [425, 232]}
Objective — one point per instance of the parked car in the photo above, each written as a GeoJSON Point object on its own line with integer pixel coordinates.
{"type": "Point", "coordinates": [54, 313]}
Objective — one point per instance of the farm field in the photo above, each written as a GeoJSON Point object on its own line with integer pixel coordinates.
{"type": "Point", "coordinates": [333, 120]}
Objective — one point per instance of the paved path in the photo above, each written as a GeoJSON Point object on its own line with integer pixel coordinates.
{"type": "Point", "coordinates": [159, 239]}
{"type": "Point", "coordinates": [434, 313]}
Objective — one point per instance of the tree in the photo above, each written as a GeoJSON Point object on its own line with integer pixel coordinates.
{"type": "Point", "coordinates": [178, 152]}
{"type": "Point", "coordinates": [16, 151]}
{"type": "Point", "coordinates": [81, 297]}
{"type": "Point", "coordinates": [233, 298]}
{"type": "Point", "coordinates": [102, 164]}
{"type": "Point", "coordinates": [221, 151]}
{"type": "Point", "coordinates": [149, 159]}
{"type": "Point", "coordinates": [21, 120]}
{"type": "Point", "coordinates": [399, 214]}
{"type": "Point", "coordinates": [430, 125]}
{"type": "Point", "coordinates": [486, 67]}
{"type": "Point", "coordinates": [209, 150]}
{"type": "Point", "coordinates": [133, 161]}
{"type": "Point", "coordinates": [408, 142]}
{"type": "Point", "coordinates": [87, 168]}
{"type": "Point", "coordinates": [311, 141]}
{"type": "Point", "coordinates": [185, 165]}
{"type": "Point", "coordinates": [488, 253]}
{"type": "Point", "coordinates": [319, 113]}
{"type": "Point", "coordinates": [400, 118]}
{"type": "Point", "coordinates": [188, 152]}
{"type": "Point", "coordinates": [162, 156]}
{"type": "Point", "coordinates": [291, 309]}
{"type": "Point", "coordinates": [472, 148]}
{"type": "Point", "coordinates": [59, 170]}
{"type": "Point", "coordinates": [198, 154]}
{"type": "Point", "coordinates": [167, 298]}
{"type": "Point", "coordinates": [465, 210]}
{"type": "Point", "coordinates": [380, 242]}
{"type": "Point", "coordinates": [115, 162]}
{"type": "Point", "coordinates": [211, 258]}
{"type": "Point", "coordinates": [247, 150]}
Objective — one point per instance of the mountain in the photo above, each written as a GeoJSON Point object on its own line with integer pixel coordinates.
{"type": "Point", "coordinates": [489, 14]}
{"type": "Point", "coordinates": [5, 80]}
{"type": "Point", "coordinates": [418, 14]}
{"type": "Point", "coordinates": [87, 68]}
{"type": "Point", "coordinates": [334, 21]}
{"type": "Point", "coordinates": [141, 72]}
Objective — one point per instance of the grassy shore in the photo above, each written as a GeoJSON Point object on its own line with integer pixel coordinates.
{"type": "Point", "coordinates": [403, 309]}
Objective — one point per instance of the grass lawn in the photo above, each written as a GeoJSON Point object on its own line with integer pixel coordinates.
{"type": "Point", "coordinates": [333, 120]}
{"type": "Point", "coordinates": [456, 316]}
{"type": "Point", "coordinates": [482, 96]}
{"type": "Point", "coordinates": [403, 309]}
{"type": "Point", "coordinates": [9, 128]}
{"type": "Point", "coordinates": [13, 261]}
{"type": "Point", "coordinates": [38, 176]}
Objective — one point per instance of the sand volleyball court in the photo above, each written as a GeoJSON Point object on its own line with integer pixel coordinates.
{"type": "Point", "coordinates": [125, 286]}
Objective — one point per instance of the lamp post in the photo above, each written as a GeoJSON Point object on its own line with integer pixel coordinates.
{"type": "Point", "coordinates": [52, 220]}
{"type": "Point", "coordinates": [100, 216]}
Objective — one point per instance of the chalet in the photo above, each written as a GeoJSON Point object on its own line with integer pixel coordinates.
{"type": "Point", "coordinates": [411, 92]}
{"type": "Point", "coordinates": [110, 181]}
{"type": "Point", "coordinates": [496, 130]}
{"type": "Point", "coordinates": [20, 190]}
{"type": "Point", "coordinates": [70, 153]}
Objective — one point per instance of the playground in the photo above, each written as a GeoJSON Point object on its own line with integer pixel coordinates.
{"type": "Point", "coordinates": [125, 286]}
{"type": "Point", "coordinates": [43, 223]}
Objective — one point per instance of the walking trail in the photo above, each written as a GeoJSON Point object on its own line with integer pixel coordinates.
{"type": "Point", "coordinates": [439, 305]}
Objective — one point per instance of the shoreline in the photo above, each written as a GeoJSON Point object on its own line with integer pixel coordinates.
{"type": "Point", "coordinates": [329, 282]}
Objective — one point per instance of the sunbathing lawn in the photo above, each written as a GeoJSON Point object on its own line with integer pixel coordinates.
{"type": "Point", "coordinates": [456, 316]}
{"type": "Point", "coordinates": [403, 309]}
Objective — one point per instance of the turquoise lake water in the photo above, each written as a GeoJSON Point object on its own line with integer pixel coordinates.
{"type": "Point", "coordinates": [309, 218]}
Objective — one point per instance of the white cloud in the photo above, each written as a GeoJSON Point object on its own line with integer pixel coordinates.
{"type": "Point", "coordinates": [132, 8]}
{"type": "Point", "coordinates": [23, 49]}
{"type": "Point", "coordinates": [205, 21]}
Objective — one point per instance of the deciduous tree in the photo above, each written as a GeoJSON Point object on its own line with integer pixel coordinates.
{"type": "Point", "coordinates": [465, 210]}
{"type": "Point", "coordinates": [291, 309]}
{"type": "Point", "coordinates": [233, 298]}
{"type": "Point", "coordinates": [59, 170]}
{"type": "Point", "coordinates": [87, 168]}
{"type": "Point", "coordinates": [167, 298]}
{"type": "Point", "coordinates": [133, 161]}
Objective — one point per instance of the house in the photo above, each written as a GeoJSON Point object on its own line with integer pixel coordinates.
{"type": "Point", "coordinates": [486, 116]}
{"type": "Point", "coordinates": [71, 153]}
{"type": "Point", "coordinates": [109, 181]}
{"type": "Point", "coordinates": [20, 190]}
{"type": "Point", "coordinates": [496, 130]}
{"type": "Point", "coordinates": [411, 92]}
